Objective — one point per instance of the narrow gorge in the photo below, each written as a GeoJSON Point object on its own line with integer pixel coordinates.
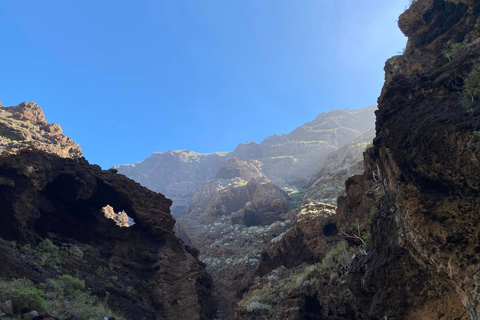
{"type": "Point", "coordinates": [361, 214]}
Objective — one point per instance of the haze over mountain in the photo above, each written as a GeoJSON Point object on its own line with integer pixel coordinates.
{"type": "Point", "coordinates": [402, 242]}
{"type": "Point", "coordinates": [288, 160]}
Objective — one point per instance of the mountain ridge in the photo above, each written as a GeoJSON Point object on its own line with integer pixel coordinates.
{"type": "Point", "coordinates": [286, 159]}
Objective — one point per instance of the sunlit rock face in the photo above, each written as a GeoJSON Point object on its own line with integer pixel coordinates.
{"type": "Point", "coordinates": [25, 126]}
{"type": "Point", "coordinates": [287, 160]}
{"type": "Point", "coordinates": [151, 273]}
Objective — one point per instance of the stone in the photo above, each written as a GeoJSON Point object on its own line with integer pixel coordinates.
{"type": "Point", "coordinates": [31, 315]}
{"type": "Point", "coordinates": [7, 307]}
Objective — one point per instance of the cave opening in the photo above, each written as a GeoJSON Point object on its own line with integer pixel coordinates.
{"type": "Point", "coordinates": [313, 309]}
{"type": "Point", "coordinates": [250, 218]}
{"type": "Point", "coordinates": [330, 229]}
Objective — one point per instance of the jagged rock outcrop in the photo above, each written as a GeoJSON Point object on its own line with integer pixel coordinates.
{"type": "Point", "coordinates": [241, 192]}
{"type": "Point", "coordinates": [304, 273]}
{"type": "Point", "coordinates": [144, 271]}
{"type": "Point", "coordinates": [312, 235]}
{"type": "Point", "coordinates": [288, 160]}
{"type": "Point", "coordinates": [25, 126]}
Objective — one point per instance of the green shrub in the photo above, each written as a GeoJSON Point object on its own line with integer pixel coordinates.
{"type": "Point", "coordinates": [26, 296]}
{"type": "Point", "coordinates": [368, 241]}
{"type": "Point", "coordinates": [47, 246]}
{"type": "Point", "coordinates": [471, 88]}
{"type": "Point", "coordinates": [64, 296]}
{"type": "Point", "coordinates": [449, 53]}
{"type": "Point", "coordinates": [454, 49]}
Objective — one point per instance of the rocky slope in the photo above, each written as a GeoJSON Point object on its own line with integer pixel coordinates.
{"type": "Point", "coordinates": [141, 272]}
{"type": "Point", "coordinates": [25, 126]}
{"type": "Point", "coordinates": [230, 220]}
{"type": "Point", "coordinates": [418, 194]}
{"type": "Point", "coordinates": [287, 160]}
{"type": "Point", "coordinates": [223, 211]}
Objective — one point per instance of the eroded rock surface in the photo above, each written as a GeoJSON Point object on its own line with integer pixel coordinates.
{"type": "Point", "coordinates": [177, 174]}
{"type": "Point", "coordinates": [25, 126]}
{"type": "Point", "coordinates": [146, 270]}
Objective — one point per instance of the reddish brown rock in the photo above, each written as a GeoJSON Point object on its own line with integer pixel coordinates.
{"type": "Point", "coordinates": [25, 126]}
{"type": "Point", "coordinates": [420, 188]}
{"type": "Point", "coordinates": [426, 227]}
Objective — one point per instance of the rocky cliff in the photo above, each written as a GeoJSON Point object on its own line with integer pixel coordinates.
{"type": "Point", "coordinates": [25, 126]}
{"type": "Point", "coordinates": [287, 160]}
{"type": "Point", "coordinates": [418, 195]}
{"type": "Point", "coordinates": [116, 236]}
{"type": "Point", "coordinates": [427, 155]}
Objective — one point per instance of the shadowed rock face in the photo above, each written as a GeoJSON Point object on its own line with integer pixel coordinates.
{"type": "Point", "coordinates": [25, 126]}
{"type": "Point", "coordinates": [288, 160]}
{"type": "Point", "coordinates": [312, 234]}
{"type": "Point", "coordinates": [45, 196]}
{"type": "Point", "coordinates": [420, 188]}
{"type": "Point", "coordinates": [425, 232]}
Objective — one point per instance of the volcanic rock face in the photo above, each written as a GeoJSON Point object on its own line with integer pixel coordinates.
{"type": "Point", "coordinates": [25, 126]}
{"type": "Point", "coordinates": [427, 155]}
{"type": "Point", "coordinates": [286, 160]}
{"type": "Point", "coordinates": [419, 189]}
{"type": "Point", "coordinates": [311, 236]}
{"type": "Point", "coordinates": [152, 275]}
{"type": "Point", "coordinates": [243, 194]}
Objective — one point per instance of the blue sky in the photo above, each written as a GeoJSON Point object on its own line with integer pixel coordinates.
{"type": "Point", "coordinates": [127, 78]}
